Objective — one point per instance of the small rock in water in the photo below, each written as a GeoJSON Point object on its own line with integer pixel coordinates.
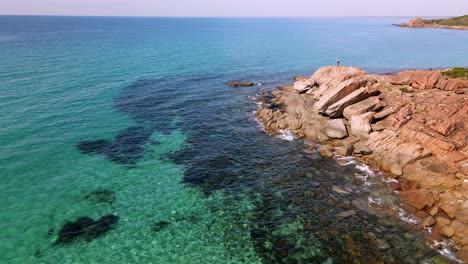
{"type": "Point", "coordinates": [158, 226]}
{"type": "Point", "coordinates": [101, 196]}
{"type": "Point", "coordinates": [382, 244]}
{"type": "Point", "coordinates": [240, 84]}
{"type": "Point", "coordinates": [345, 150]}
{"type": "Point", "coordinates": [86, 228]}
{"type": "Point", "coordinates": [346, 214]}
{"type": "Point", "coordinates": [362, 149]}
{"type": "Point", "coordinates": [340, 190]}
{"type": "Point", "coordinates": [315, 184]}
{"type": "Point", "coordinates": [325, 152]}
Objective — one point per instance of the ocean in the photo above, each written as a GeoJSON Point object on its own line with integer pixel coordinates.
{"type": "Point", "coordinates": [133, 117]}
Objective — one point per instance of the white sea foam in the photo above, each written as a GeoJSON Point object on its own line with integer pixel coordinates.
{"type": "Point", "coordinates": [403, 215]}
{"type": "Point", "coordinates": [443, 247]}
{"type": "Point", "coordinates": [286, 135]}
{"type": "Point", "coordinates": [376, 200]}
{"type": "Point", "coordinates": [364, 172]}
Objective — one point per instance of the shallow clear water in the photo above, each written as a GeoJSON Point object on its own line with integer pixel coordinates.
{"type": "Point", "coordinates": [140, 107]}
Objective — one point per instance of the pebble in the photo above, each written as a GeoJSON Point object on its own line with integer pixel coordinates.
{"type": "Point", "coordinates": [340, 190]}
{"type": "Point", "coordinates": [346, 214]}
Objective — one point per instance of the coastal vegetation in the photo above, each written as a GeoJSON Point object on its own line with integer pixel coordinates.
{"type": "Point", "coordinates": [404, 89]}
{"type": "Point", "coordinates": [458, 72]}
{"type": "Point", "coordinates": [452, 21]}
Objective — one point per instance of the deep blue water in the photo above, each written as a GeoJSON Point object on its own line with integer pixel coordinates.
{"type": "Point", "coordinates": [132, 117]}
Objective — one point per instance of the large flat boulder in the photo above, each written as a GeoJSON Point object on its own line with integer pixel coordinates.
{"type": "Point", "coordinates": [336, 128]}
{"type": "Point", "coordinates": [330, 76]}
{"type": "Point", "coordinates": [303, 85]}
{"type": "Point", "coordinates": [343, 89]}
{"type": "Point", "coordinates": [367, 105]}
{"type": "Point", "coordinates": [336, 109]}
{"type": "Point", "coordinates": [452, 84]}
{"type": "Point", "coordinates": [360, 124]}
{"type": "Point", "coordinates": [418, 79]}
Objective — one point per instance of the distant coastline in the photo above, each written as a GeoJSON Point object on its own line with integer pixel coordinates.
{"type": "Point", "coordinates": [460, 23]}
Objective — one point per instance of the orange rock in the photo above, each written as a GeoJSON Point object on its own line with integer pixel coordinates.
{"type": "Point", "coordinates": [462, 213]}
{"type": "Point", "coordinates": [458, 226]}
{"type": "Point", "coordinates": [447, 231]}
{"type": "Point", "coordinates": [421, 214]}
{"type": "Point", "coordinates": [443, 220]}
{"type": "Point", "coordinates": [417, 198]}
{"type": "Point", "coordinates": [428, 221]}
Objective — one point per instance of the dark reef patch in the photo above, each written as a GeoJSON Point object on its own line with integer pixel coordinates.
{"type": "Point", "coordinates": [100, 196]}
{"type": "Point", "coordinates": [152, 107]}
{"type": "Point", "coordinates": [86, 228]}
{"type": "Point", "coordinates": [159, 226]}
{"type": "Point", "coordinates": [125, 149]}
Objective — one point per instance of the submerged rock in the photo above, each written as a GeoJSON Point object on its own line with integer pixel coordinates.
{"type": "Point", "coordinates": [160, 225]}
{"type": "Point", "coordinates": [346, 214]}
{"type": "Point", "coordinates": [86, 228]}
{"type": "Point", "coordinates": [345, 150]}
{"type": "Point", "coordinates": [340, 190]}
{"type": "Point", "coordinates": [125, 149]}
{"type": "Point", "coordinates": [101, 196]}
{"type": "Point", "coordinates": [325, 152]}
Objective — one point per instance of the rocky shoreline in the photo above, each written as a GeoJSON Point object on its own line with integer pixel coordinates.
{"type": "Point", "coordinates": [421, 23]}
{"type": "Point", "coordinates": [411, 124]}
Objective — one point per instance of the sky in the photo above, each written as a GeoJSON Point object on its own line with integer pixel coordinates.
{"type": "Point", "coordinates": [235, 8]}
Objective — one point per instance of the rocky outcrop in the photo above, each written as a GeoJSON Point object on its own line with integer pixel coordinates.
{"type": "Point", "coordinates": [415, 129]}
{"type": "Point", "coordinates": [417, 23]}
{"type": "Point", "coordinates": [343, 89]}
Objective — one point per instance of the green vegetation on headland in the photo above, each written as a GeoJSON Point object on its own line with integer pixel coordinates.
{"type": "Point", "coordinates": [457, 72]}
{"type": "Point", "coordinates": [453, 21]}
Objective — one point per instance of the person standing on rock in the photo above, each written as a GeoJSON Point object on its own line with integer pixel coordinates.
{"type": "Point", "coordinates": [338, 62]}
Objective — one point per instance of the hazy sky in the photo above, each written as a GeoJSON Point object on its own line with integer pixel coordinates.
{"type": "Point", "coordinates": [236, 7]}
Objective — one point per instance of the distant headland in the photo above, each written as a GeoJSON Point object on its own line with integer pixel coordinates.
{"type": "Point", "coordinates": [460, 23]}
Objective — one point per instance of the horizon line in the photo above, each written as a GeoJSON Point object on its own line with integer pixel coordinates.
{"type": "Point", "coordinates": [149, 16]}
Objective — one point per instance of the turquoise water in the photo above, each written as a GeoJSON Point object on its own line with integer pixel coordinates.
{"type": "Point", "coordinates": [178, 145]}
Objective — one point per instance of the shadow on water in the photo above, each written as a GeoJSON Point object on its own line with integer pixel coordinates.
{"type": "Point", "coordinates": [295, 218]}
